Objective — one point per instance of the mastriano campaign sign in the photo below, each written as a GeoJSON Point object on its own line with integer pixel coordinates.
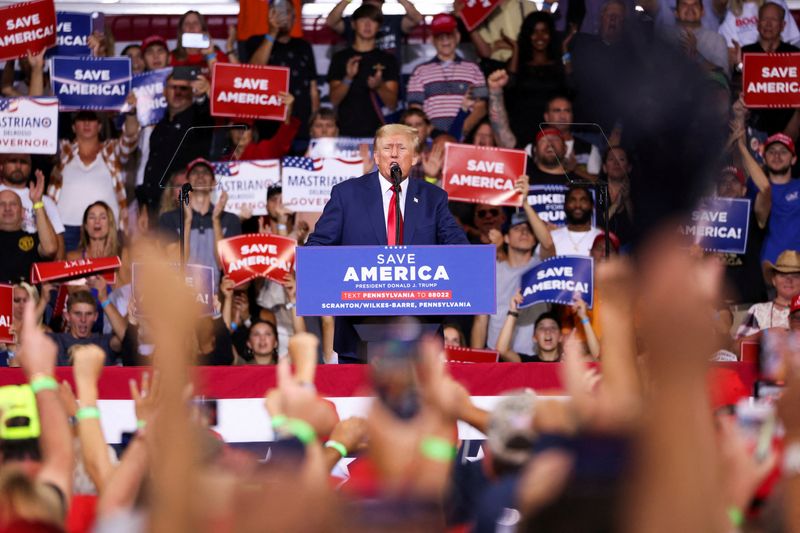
{"type": "Point", "coordinates": [246, 183]}
{"type": "Point", "coordinates": [29, 125]}
{"type": "Point", "coordinates": [6, 312]}
{"type": "Point", "coordinates": [249, 91]}
{"type": "Point", "coordinates": [307, 183]}
{"type": "Point", "coordinates": [27, 27]}
{"type": "Point", "coordinates": [257, 255]}
{"type": "Point", "coordinates": [483, 175]}
{"type": "Point", "coordinates": [96, 83]}
{"type": "Point", "coordinates": [771, 80]}
{"type": "Point", "coordinates": [475, 11]}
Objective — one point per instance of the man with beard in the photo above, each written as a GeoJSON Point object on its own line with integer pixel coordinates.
{"type": "Point", "coordinates": [577, 236]}
{"type": "Point", "coordinates": [15, 176]}
{"type": "Point", "coordinates": [548, 158]}
{"type": "Point", "coordinates": [777, 205]}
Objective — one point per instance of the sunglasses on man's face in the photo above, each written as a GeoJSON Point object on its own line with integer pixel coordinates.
{"type": "Point", "coordinates": [488, 213]}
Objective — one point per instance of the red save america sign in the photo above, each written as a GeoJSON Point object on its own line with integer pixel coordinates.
{"type": "Point", "coordinates": [482, 174]}
{"type": "Point", "coordinates": [78, 268]}
{"type": "Point", "coordinates": [771, 80]}
{"type": "Point", "coordinates": [475, 11]}
{"type": "Point", "coordinates": [27, 27]}
{"type": "Point", "coordinates": [6, 315]}
{"type": "Point", "coordinates": [255, 255]}
{"type": "Point", "coordinates": [249, 91]}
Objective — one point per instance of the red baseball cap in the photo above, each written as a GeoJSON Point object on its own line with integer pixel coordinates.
{"type": "Point", "coordinates": [154, 39]}
{"type": "Point", "coordinates": [548, 131]}
{"type": "Point", "coordinates": [443, 23]}
{"type": "Point", "coordinates": [795, 305]}
{"type": "Point", "coordinates": [780, 138]}
{"type": "Point", "coordinates": [199, 161]}
{"type": "Point", "coordinates": [735, 171]}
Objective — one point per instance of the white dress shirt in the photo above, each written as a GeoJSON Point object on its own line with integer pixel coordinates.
{"type": "Point", "coordinates": [386, 190]}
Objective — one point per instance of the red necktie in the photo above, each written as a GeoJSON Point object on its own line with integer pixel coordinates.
{"type": "Point", "coordinates": [390, 229]}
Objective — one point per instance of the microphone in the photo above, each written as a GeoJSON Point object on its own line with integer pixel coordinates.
{"type": "Point", "coordinates": [396, 175]}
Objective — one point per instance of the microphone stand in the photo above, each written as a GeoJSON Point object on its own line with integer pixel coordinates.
{"type": "Point", "coordinates": [183, 199]}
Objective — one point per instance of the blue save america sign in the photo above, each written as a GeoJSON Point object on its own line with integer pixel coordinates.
{"type": "Point", "coordinates": [556, 281]}
{"type": "Point", "coordinates": [73, 31]}
{"type": "Point", "coordinates": [720, 225]}
{"type": "Point", "coordinates": [95, 83]}
{"type": "Point", "coordinates": [151, 104]}
{"type": "Point", "coordinates": [395, 280]}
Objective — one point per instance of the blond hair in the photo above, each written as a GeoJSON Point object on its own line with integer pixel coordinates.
{"type": "Point", "coordinates": [398, 129]}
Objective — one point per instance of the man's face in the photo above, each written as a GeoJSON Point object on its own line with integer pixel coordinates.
{"type": "Point", "coordinates": [578, 207]}
{"type": "Point", "coordinates": [547, 335]}
{"type": "Point", "coordinates": [398, 148]}
{"type": "Point", "coordinates": [10, 211]}
{"type": "Point", "coordinates": [689, 11]}
{"type": "Point", "coordinates": [86, 128]}
{"type": "Point", "coordinates": [778, 158]}
{"type": "Point", "coordinates": [611, 21]}
{"type": "Point", "coordinates": [559, 112]}
{"type": "Point", "coordinates": [323, 127]}
{"type": "Point", "coordinates": [178, 94]}
{"type": "Point", "coordinates": [771, 23]}
{"type": "Point", "coordinates": [201, 177]}
{"type": "Point", "coordinates": [137, 61]}
{"type": "Point", "coordinates": [155, 57]}
{"type": "Point", "coordinates": [616, 166]}
{"type": "Point", "coordinates": [729, 186]}
{"type": "Point", "coordinates": [82, 317]}
{"type": "Point", "coordinates": [786, 284]}
{"type": "Point", "coordinates": [419, 124]}
{"type": "Point", "coordinates": [446, 44]}
{"type": "Point", "coordinates": [488, 217]}
{"type": "Point", "coordinates": [550, 150]}
{"type": "Point", "coordinates": [520, 238]}
{"type": "Point", "coordinates": [366, 28]}
{"type": "Point", "coordinates": [16, 169]}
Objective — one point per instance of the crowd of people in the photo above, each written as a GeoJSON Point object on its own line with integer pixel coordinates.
{"type": "Point", "coordinates": [569, 86]}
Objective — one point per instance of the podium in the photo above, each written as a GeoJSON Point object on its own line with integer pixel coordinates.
{"type": "Point", "coordinates": [368, 289]}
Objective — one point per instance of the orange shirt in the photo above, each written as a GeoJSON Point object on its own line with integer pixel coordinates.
{"type": "Point", "coordinates": [254, 17]}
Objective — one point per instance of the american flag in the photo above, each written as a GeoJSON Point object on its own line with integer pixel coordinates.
{"type": "Point", "coordinates": [226, 168]}
{"type": "Point", "coordinates": [304, 163]}
{"type": "Point", "coordinates": [8, 104]}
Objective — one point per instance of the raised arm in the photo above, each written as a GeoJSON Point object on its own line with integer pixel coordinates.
{"type": "Point", "coordinates": [498, 117]}
{"type": "Point", "coordinates": [507, 331]}
{"type": "Point", "coordinates": [335, 20]}
{"type": "Point", "coordinates": [412, 17]}
{"type": "Point", "coordinates": [540, 229]}
{"type": "Point", "coordinates": [48, 241]}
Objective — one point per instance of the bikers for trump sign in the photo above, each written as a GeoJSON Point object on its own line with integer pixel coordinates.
{"type": "Point", "coordinates": [27, 27]}
{"type": "Point", "coordinates": [28, 125]}
{"type": "Point", "coordinates": [92, 83]}
{"type": "Point", "coordinates": [249, 91]}
{"type": "Point", "coordinates": [483, 175]}
{"type": "Point", "coordinates": [395, 280]}
{"type": "Point", "coordinates": [257, 255]}
{"type": "Point", "coordinates": [556, 280]}
{"type": "Point", "coordinates": [720, 225]}
{"type": "Point", "coordinates": [771, 80]}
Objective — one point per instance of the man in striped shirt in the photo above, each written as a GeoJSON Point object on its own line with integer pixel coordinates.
{"type": "Point", "coordinates": [438, 86]}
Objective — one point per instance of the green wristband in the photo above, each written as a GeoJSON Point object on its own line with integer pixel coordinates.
{"type": "Point", "coordinates": [278, 421]}
{"type": "Point", "coordinates": [300, 429]}
{"type": "Point", "coordinates": [140, 424]}
{"type": "Point", "coordinates": [736, 516]}
{"type": "Point", "coordinates": [85, 413]}
{"type": "Point", "coordinates": [41, 383]}
{"type": "Point", "coordinates": [338, 446]}
{"type": "Point", "coordinates": [438, 449]}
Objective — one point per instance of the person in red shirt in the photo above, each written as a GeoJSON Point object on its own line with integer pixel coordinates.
{"type": "Point", "coordinates": [193, 22]}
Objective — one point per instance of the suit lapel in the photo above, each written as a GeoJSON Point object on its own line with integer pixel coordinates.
{"type": "Point", "coordinates": [410, 215]}
{"type": "Point", "coordinates": [373, 202]}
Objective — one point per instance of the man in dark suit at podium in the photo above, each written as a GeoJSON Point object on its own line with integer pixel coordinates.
{"type": "Point", "coordinates": [362, 212]}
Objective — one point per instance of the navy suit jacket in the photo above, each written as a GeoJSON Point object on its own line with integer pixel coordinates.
{"type": "Point", "coordinates": [354, 217]}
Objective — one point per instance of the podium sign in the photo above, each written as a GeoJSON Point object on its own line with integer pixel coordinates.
{"type": "Point", "coordinates": [395, 280]}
